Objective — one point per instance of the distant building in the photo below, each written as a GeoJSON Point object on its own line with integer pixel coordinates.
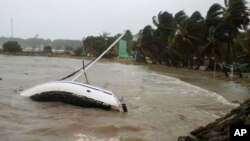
{"type": "Point", "coordinates": [58, 51]}
{"type": "Point", "coordinates": [28, 49]}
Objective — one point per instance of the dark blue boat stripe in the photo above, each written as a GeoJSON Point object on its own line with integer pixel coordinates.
{"type": "Point", "coordinates": [87, 87]}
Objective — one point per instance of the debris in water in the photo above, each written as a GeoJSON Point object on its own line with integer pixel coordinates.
{"type": "Point", "coordinates": [18, 90]}
{"type": "Point", "coordinates": [236, 101]}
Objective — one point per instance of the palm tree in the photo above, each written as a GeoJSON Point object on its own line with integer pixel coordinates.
{"type": "Point", "coordinates": [236, 13]}
{"type": "Point", "coordinates": [180, 17]}
{"type": "Point", "coordinates": [190, 37]}
{"type": "Point", "coordinates": [212, 47]}
{"type": "Point", "coordinates": [222, 25]}
{"type": "Point", "coordinates": [150, 46]}
{"type": "Point", "coordinates": [236, 17]}
{"type": "Point", "coordinates": [213, 17]}
{"type": "Point", "coordinates": [244, 41]}
{"type": "Point", "coordinates": [165, 26]}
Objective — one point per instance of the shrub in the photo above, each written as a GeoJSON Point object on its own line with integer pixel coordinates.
{"type": "Point", "coordinates": [78, 51]}
{"type": "Point", "coordinates": [12, 46]}
{"type": "Point", "coordinates": [47, 49]}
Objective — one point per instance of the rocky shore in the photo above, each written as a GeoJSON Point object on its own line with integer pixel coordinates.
{"type": "Point", "coordinates": [219, 129]}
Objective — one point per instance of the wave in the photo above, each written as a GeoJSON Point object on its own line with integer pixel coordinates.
{"type": "Point", "coordinates": [116, 128]}
{"type": "Point", "coordinates": [83, 137]}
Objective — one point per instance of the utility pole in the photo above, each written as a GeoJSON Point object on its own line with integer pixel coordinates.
{"type": "Point", "coordinates": [11, 28]}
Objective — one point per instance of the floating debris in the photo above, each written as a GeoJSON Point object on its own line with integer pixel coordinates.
{"type": "Point", "coordinates": [18, 90]}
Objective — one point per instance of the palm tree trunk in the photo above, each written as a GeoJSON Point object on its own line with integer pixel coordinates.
{"type": "Point", "coordinates": [199, 63]}
{"type": "Point", "coordinates": [144, 56]}
{"type": "Point", "coordinates": [236, 61]}
{"type": "Point", "coordinates": [228, 60]}
{"type": "Point", "coordinates": [228, 52]}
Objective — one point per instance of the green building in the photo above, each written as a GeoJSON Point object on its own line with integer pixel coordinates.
{"type": "Point", "coordinates": [123, 49]}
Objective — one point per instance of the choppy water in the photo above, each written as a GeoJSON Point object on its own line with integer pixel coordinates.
{"type": "Point", "coordinates": [160, 107]}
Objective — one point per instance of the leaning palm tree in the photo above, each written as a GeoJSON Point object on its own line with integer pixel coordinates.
{"type": "Point", "coordinates": [236, 17]}
{"type": "Point", "coordinates": [225, 24]}
{"type": "Point", "coordinates": [236, 13]}
{"type": "Point", "coordinates": [180, 17]}
{"type": "Point", "coordinates": [212, 47]}
{"type": "Point", "coordinates": [213, 17]}
{"type": "Point", "coordinates": [190, 37]}
{"type": "Point", "coordinates": [166, 28]}
{"type": "Point", "coordinates": [244, 41]}
{"type": "Point", "coordinates": [150, 46]}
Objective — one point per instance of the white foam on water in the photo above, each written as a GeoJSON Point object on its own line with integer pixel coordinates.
{"type": "Point", "coordinates": [209, 93]}
{"type": "Point", "coordinates": [83, 137]}
{"type": "Point", "coordinates": [184, 88]}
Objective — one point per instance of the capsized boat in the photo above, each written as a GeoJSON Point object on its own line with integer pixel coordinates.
{"type": "Point", "coordinates": [77, 93]}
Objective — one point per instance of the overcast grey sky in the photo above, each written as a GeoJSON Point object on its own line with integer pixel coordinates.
{"type": "Point", "coordinates": [75, 19]}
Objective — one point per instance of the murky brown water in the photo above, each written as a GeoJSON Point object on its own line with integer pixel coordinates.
{"type": "Point", "coordinates": [160, 107]}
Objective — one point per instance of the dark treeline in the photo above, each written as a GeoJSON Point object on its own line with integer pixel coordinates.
{"type": "Point", "coordinates": [189, 41]}
{"type": "Point", "coordinates": [90, 46]}
{"type": "Point", "coordinates": [39, 42]}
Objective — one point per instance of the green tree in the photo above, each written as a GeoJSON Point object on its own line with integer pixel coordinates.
{"type": "Point", "coordinates": [150, 46]}
{"type": "Point", "coordinates": [178, 39]}
{"type": "Point", "coordinates": [78, 51]}
{"type": "Point", "coordinates": [47, 49]}
{"type": "Point", "coordinates": [114, 50]}
{"type": "Point", "coordinates": [94, 45]}
{"type": "Point", "coordinates": [129, 39]}
{"type": "Point", "coordinates": [12, 46]}
{"type": "Point", "coordinates": [236, 17]}
{"type": "Point", "coordinates": [226, 24]}
{"type": "Point", "coordinates": [165, 26]}
{"type": "Point", "coordinates": [189, 38]}
{"type": "Point", "coordinates": [213, 46]}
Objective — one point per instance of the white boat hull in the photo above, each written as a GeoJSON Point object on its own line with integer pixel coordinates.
{"type": "Point", "coordinates": [74, 93]}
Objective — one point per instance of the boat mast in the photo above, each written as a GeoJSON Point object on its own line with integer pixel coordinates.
{"type": "Point", "coordinates": [98, 58]}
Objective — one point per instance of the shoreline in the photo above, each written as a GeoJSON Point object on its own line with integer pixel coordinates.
{"type": "Point", "coordinates": [245, 81]}
{"type": "Point", "coordinates": [230, 90]}
{"type": "Point", "coordinates": [66, 55]}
